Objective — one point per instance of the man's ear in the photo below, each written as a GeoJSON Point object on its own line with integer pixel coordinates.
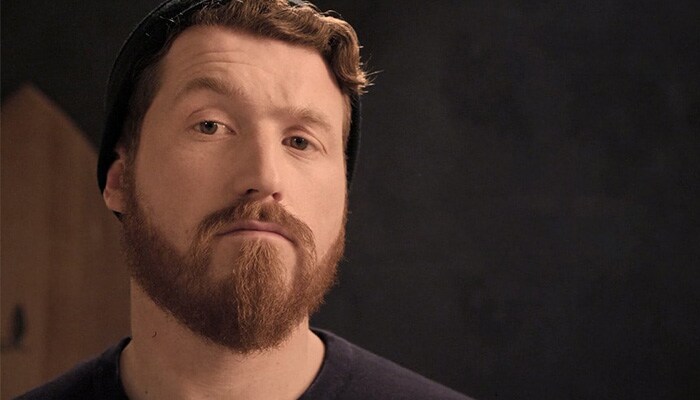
{"type": "Point", "coordinates": [115, 194]}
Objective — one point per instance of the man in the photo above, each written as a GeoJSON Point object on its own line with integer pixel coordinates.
{"type": "Point", "coordinates": [230, 139]}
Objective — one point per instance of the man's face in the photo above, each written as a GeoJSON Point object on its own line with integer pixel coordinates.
{"type": "Point", "coordinates": [242, 129]}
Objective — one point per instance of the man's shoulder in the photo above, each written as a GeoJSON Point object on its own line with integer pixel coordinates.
{"type": "Point", "coordinates": [94, 378]}
{"type": "Point", "coordinates": [351, 372]}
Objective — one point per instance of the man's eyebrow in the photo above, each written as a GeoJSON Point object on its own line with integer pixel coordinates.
{"type": "Point", "coordinates": [223, 87]}
{"type": "Point", "coordinates": [310, 116]}
{"type": "Point", "coordinates": [214, 84]}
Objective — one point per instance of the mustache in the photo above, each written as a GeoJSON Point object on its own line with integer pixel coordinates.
{"type": "Point", "coordinates": [244, 209]}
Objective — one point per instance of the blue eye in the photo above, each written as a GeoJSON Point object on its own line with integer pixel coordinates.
{"type": "Point", "coordinates": [207, 127]}
{"type": "Point", "coordinates": [298, 143]}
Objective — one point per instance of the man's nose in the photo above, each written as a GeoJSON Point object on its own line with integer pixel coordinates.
{"type": "Point", "coordinates": [258, 172]}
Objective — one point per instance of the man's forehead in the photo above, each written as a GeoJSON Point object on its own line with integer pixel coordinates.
{"type": "Point", "coordinates": [217, 48]}
{"type": "Point", "coordinates": [217, 51]}
{"type": "Point", "coordinates": [213, 39]}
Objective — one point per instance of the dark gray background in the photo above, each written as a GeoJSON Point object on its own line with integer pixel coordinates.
{"type": "Point", "coordinates": [524, 220]}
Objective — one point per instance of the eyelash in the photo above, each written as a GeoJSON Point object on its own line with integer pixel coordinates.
{"type": "Point", "coordinates": [198, 126]}
{"type": "Point", "coordinates": [287, 141]}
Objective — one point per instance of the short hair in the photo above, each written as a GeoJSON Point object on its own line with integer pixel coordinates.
{"type": "Point", "coordinates": [295, 22]}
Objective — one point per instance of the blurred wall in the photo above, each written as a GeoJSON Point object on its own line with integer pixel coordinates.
{"type": "Point", "coordinates": [64, 288]}
{"type": "Point", "coordinates": [523, 219]}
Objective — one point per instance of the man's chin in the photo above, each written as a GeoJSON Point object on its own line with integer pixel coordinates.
{"type": "Point", "coordinates": [226, 255]}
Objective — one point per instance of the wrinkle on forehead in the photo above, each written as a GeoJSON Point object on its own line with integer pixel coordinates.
{"type": "Point", "coordinates": [235, 46]}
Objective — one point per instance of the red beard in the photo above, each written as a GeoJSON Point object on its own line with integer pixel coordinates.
{"type": "Point", "coordinates": [254, 307]}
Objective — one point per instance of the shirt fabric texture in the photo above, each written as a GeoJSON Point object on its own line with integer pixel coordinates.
{"type": "Point", "coordinates": [348, 373]}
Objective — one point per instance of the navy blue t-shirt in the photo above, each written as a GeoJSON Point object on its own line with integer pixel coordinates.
{"type": "Point", "coordinates": [348, 372]}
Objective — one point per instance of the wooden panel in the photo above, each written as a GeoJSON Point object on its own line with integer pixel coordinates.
{"type": "Point", "coordinates": [25, 237]}
{"type": "Point", "coordinates": [60, 246]}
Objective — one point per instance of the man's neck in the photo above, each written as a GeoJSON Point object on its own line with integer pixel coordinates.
{"type": "Point", "coordinates": [166, 360]}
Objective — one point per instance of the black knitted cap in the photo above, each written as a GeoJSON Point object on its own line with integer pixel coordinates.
{"type": "Point", "coordinates": [146, 40]}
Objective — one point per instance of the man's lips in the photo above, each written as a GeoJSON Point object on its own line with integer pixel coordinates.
{"type": "Point", "coordinates": [248, 226]}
